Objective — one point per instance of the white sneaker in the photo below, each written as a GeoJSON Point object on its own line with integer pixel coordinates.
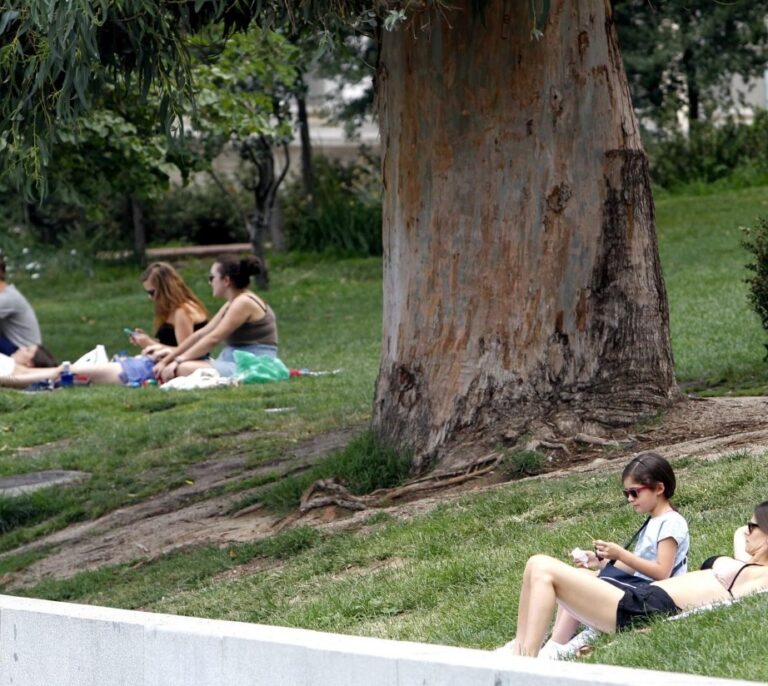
{"type": "Point", "coordinates": [506, 648]}
{"type": "Point", "coordinates": [580, 640]}
{"type": "Point", "coordinates": [555, 651]}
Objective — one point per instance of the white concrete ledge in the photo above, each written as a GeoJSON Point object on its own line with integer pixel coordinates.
{"type": "Point", "coordinates": [44, 643]}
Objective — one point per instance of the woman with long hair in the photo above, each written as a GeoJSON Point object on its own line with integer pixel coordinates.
{"type": "Point", "coordinates": [245, 322]}
{"type": "Point", "coordinates": [178, 311]}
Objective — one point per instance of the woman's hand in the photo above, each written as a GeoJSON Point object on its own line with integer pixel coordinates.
{"type": "Point", "coordinates": [607, 550]}
{"type": "Point", "coordinates": [158, 351]}
{"type": "Point", "coordinates": [140, 338]}
{"type": "Point", "coordinates": [591, 563]}
{"type": "Point", "coordinates": [166, 370]}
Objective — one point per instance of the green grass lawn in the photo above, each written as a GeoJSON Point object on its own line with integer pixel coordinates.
{"type": "Point", "coordinates": [450, 576]}
{"type": "Point", "coordinates": [717, 340]}
{"type": "Point", "coordinates": [136, 442]}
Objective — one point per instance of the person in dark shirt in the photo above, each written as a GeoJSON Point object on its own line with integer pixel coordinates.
{"type": "Point", "coordinates": [178, 311]}
{"type": "Point", "coordinates": [245, 322]}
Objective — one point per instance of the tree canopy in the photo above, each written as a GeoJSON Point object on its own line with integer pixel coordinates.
{"type": "Point", "coordinates": [682, 54]}
{"type": "Point", "coordinates": [54, 57]}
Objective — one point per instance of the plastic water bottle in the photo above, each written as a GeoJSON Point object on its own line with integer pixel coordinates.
{"type": "Point", "coordinates": [67, 378]}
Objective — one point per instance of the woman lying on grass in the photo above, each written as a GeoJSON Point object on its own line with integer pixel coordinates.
{"type": "Point", "coordinates": [245, 322]}
{"type": "Point", "coordinates": [25, 358]}
{"type": "Point", "coordinates": [548, 582]}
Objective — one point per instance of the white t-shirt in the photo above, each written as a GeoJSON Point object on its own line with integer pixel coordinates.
{"type": "Point", "coordinates": [7, 365]}
{"type": "Point", "coordinates": [668, 525]}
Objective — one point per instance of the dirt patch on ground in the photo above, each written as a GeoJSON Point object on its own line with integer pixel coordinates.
{"type": "Point", "coordinates": [705, 429]}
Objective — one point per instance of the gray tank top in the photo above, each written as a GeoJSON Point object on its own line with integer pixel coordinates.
{"type": "Point", "coordinates": [262, 332]}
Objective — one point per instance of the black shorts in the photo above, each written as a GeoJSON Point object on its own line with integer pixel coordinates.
{"type": "Point", "coordinates": [641, 603]}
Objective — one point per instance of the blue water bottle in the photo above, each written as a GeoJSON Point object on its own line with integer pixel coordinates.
{"type": "Point", "coordinates": [67, 378]}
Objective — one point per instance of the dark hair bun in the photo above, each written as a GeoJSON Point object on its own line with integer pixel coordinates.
{"type": "Point", "coordinates": [251, 265]}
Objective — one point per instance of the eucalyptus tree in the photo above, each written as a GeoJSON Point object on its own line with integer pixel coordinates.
{"type": "Point", "coordinates": [522, 286]}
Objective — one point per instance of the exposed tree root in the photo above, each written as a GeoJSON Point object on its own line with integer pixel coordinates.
{"type": "Point", "coordinates": [329, 492]}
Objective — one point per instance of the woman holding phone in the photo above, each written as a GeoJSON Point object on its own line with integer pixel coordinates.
{"type": "Point", "coordinates": [178, 311]}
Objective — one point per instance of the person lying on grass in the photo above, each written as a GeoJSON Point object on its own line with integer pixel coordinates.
{"type": "Point", "coordinates": [548, 582]}
{"type": "Point", "coordinates": [24, 359]}
{"type": "Point", "coordinates": [245, 322]}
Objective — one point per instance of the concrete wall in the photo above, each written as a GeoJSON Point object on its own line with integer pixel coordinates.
{"type": "Point", "coordinates": [43, 643]}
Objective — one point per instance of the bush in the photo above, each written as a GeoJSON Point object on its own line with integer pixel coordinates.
{"type": "Point", "coordinates": [344, 213]}
{"type": "Point", "coordinates": [61, 222]}
{"type": "Point", "coordinates": [200, 215]}
{"type": "Point", "coordinates": [520, 463]}
{"type": "Point", "coordinates": [756, 242]}
{"type": "Point", "coordinates": [362, 466]}
{"type": "Point", "coordinates": [732, 155]}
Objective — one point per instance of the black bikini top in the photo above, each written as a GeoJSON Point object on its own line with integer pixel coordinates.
{"type": "Point", "coordinates": [709, 563]}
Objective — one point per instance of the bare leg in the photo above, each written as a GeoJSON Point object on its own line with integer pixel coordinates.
{"type": "Point", "coordinates": [189, 366]}
{"type": "Point", "coordinates": [104, 373]}
{"type": "Point", "coordinates": [547, 581]}
{"type": "Point", "coordinates": [108, 372]}
{"type": "Point", "coordinates": [523, 609]}
{"type": "Point", "coordinates": [565, 626]}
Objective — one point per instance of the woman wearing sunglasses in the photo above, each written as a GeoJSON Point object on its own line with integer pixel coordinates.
{"type": "Point", "coordinates": [178, 311]}
{"type": "Point", "coordinates": [245, 322]}
{"type": "Point", "coordinates": [661, 542]}
{"type": "Point", "coordinates": [608, 608]}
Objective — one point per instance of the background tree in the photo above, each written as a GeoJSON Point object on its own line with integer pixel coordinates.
{"type": "Point", "coordinates": [522, 282]}
{"type": "Point", "coordinates": [243, 102]}
{"type": "Point", "coordinates": [683, 54]}
{"type": "Point", "coordinates": [352, 66]}
{"type": "Point", "coordinates": [104, 168]}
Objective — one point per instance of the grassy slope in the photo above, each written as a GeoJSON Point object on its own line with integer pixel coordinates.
{"type": "Point", "coordinates": [136, 442]}
{"type": "Point", "coordinates": [446, 577]}
{"type": "Point", "coordinates": [716, 338]}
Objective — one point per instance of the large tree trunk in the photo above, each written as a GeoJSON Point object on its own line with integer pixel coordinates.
{"type": "Point", "coordinates": [521, 272]}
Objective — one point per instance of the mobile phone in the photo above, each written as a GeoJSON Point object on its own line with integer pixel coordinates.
{"type": "Point", "coordinates": [129, 332]}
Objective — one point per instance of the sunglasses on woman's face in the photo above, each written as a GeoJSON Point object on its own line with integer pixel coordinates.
{"type": "Point", "coordinates": [633, 492]}
{"type": "Point", "coordinates": [211, 277]}
{"type": "Point", "coordinates": [751, 526]}
{"type": "Point", "coordinates": [150, 292]}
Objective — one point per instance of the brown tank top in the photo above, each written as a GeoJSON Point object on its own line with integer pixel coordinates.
{"type": "Point", "coordinates": [262, 332]}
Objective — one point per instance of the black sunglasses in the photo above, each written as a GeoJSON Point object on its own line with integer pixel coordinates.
{"type": "Point", "coordinates": [751, 526]}
{"type": "Point", "coordinates": [633, 492]}
{"type": "Point", "coordinates": [211, 277]}
{"type": "Point", "coordinates": [150, 292]}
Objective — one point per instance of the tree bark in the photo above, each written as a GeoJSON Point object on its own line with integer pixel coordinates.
{"type": "Point", "coordinates": [521, 272]}
{"type": "Point", "coordinates": [691, 85]}
{"type": "Point", "coordinates": [307, 173]}
{"type": "Point", "coordinates": [139, 231]}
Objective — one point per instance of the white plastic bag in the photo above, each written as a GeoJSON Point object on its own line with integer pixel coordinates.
{"type": "Point", "coordinates": [96, 356]}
